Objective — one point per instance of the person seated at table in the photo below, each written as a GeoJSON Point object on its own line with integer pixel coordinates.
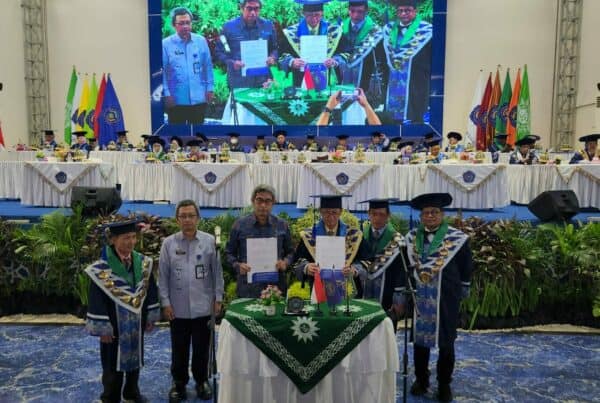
{"type": "Point", "coordinates": [453, 143]}
{"type": "Point", "coordinates": [380, 236]}
{"type": "Point", "coordinates": [311, 143]}
{"type": "Point", "coordinates": [234, 143]}
{"type": "Point", "coordinates": [524, 154]}
{"type": "Point", "coordinates": [378, 142]}
{"type": "Point", "coordinates": [342, 143]}
{"type": "Point", "coordinates": [175, 145]}
{"type": "Point", "coordinates": [330, 224]}
{"type": "Point", "coordinates": [499, 146]}
{"type": "Point", "coordinates": [203, 140]}
{"type": "Point", "coordinates": [159, 154]}
{"type": "Point", "coordinates": [93, 144]}
{"type": "Point", "coordinates": [146, 145]}
{"type": "Point", "coordinates": [312, 23]}
{"type": "Point", "coordinates": [82, 143]}
{"type": "Point", "coordinates": [590, 149]}
{"type": "Point", "coordinates": [122, 143]}
{"type": "Point", "coordinates": [195, 153]}
{"type": "Point", "coordinates": [434, 155]}
{"type": "Point", "coordinates": [261, 223]}
{"type": "Point", "coordinates": [425, 144]}
{"type": "Point", "coordinates": [406, 151]}
{"type": "Point", "coordinates": [281, 140]}
{"type": "Point", "coordinates": [260, 144]}
{"type": "Point", "coordinates": [394, 143]}
{"type": "Point", "coordinates": [335, 99]}
{"type": "Point", "coordinates": [49, 141]}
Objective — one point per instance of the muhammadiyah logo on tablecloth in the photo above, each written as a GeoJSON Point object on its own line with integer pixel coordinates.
{"type": "Point", "coordinates": [469, 176]}
{"type": "Point", "coordinates": [61, 177]}
{"type": "Point", "coordinates": [304, 329]}
{"type": "Point", "coordinates": [210, 178]}
{"type": "Point", "coordinates": [342, 179]}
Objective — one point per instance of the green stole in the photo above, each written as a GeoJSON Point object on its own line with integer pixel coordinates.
{"type": "Point", "coordinates": [437, 239]}
{"type": "Point", "coordinates": [120, 270]}
{"type": "Point", "coordinates": [410, 32]}
{"type": "Point", "coordinates": [362, 32]}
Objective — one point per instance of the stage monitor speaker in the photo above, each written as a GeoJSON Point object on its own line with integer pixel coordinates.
{"type": "Point", "coordinates": [555, 205]}
{"type": "Point", "coordinates": [96, 201]}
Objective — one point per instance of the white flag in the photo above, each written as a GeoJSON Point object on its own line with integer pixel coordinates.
{"type": "Point", "coordinates": [472, 122]}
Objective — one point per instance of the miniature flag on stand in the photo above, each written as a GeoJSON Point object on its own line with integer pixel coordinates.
{"type": "Point", "coordinates": [318, 294]}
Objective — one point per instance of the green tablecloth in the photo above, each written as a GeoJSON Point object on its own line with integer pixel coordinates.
{"type": "Point", "coordinates": [276, 111]}
{"type": "Point", "coordinates": [305, 348]}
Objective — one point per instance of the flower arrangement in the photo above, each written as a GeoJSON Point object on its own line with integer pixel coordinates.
{"type": "Point", "coordinates": [271, 295]}
{"type": "Point", "coordinates": [337, 156]}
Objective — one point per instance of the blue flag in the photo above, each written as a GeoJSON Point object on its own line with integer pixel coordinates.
{"type": "Point", "coordinates": [335, 285]}
{"type": "Point", "coordinates": [110, 117]}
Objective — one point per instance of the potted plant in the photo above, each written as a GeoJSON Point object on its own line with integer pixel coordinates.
{"type": "Point", "coordinates": [270, 297]}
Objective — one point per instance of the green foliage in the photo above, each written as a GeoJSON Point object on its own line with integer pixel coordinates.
{"type": "Point", "coordinates": [296, 290]}
{"type": "Point", "coordinates": [221, 89]}
{"type": "Point", "coordinates": [7, 256]}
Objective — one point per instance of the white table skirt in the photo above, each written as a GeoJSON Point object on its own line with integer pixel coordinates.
{"type": "Point", "coordinates": [231, 187]}
{"type": "Point", "coordinates": [10, 155]}
{"type": "Point", "coordinates": [472, 186]}
{"type": "Point", "coordinates": [147, 182]}
{"type": "Point", "coordinates": [364, 182]}
{"type": "Point", "coordinates": [404, 181]}
{"type": "Point", "coordinates": [120, 159]}
{"type": "Point", "coordinates": [584, 180]}
{"type": "Point", "coordinates": [283, 177]}
{"type": "Point", "coordinates": [11, 179]}
{"type": "Point", "coordinates": [44, 190]}
{"type": "Point", "coordinates": [525, 182]}
{"type": "Point", "coordinates": [366, 374]}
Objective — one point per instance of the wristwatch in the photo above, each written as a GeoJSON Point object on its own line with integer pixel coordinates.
{"type": "Point", "coordinates": [327, 109]}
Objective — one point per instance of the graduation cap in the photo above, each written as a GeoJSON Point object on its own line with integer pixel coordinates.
{"type": "Point", "coordinates": [439, 200]}
{"type": "Point", "coordinates": [589, 137]}
{"type": "Point", "coordinates": [232, 134]}
{"type": "Point", "coordinates": [380, 203]}
{"type": "Point", "coordinates": [123, 227]}
{"type": "Point", "coordinates": [330, 201]}
{"type": "Point", "coordinates": [525, 141]}
{"type": "Point", "coordinates": [201, 137]}
{"type": "Point", "coordinates": [312, 5]}
{"type": "Point", "coordinates": [156, 139]}
{"type": "Point", "coordinates": [535, 137]}
{"type": "Point", "coordinates": [398, 3]}
{"type": "Point", "coordinates": [194, 143]}
{"type": "Point", "coordinates": [178, 140]}
{"type": "Point", "coordinates": [311, 136]}
{"type": "Point", "coordinates": [260, 137]}
{"type": "Point", "coordinates": [278, 132]}
{"type": "Point", "coordinates": [376, 134]}
{"type": "Point", "coordinates": [405, 143]}
{"type": "Point", "coordinates": [146, 136]}
{"type": "Point", "coordinates": [342, 136]}
{"type": "Point", "coordinates": [79, 133]}
{"type": "Point", "coordinates": [122, 133]}
{"type": "Point", "coordinates": [433, 143]}
{"type": "Point", "coordinates": [501, 135]}
{"type": "Point", "coordinates": [48, 132]}
{"type": "Point", "coordinates": [455, 135]}
{"type": "Point", "coordinates": [431, 136]}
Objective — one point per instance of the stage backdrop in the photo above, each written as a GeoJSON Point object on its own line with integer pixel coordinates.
{"type": "Point", "coordinates": [403, 82]}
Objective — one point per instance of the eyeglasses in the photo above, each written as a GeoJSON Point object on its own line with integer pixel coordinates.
{"type": "Point", "coordinates": [250, 9]}
{"type": "Point", "coordinates": [432, 213]}
{"type": "Point", "coordinates": [183, 23]}
{"type": "Point", "coordinates": [330, 212]}
{"type": "Point", "coordinates": [260, 200]}
{"type": "Point", "coordinates": [317, 14]}
{"type": "Point", "coordinates": [187, 216]}
{"type": "Point", "coordinates": [405, 10]}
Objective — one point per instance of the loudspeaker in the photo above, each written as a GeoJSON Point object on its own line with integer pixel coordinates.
{"type": "Point", "coordinates": [555, 205]}
{"type": "Point", "coordinates": [96, 201]}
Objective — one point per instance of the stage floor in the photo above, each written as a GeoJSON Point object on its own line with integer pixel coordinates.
{"type": "Point", "coordinates": [61, 363]}
{"type": "Point", "coordinates": [13, 209]}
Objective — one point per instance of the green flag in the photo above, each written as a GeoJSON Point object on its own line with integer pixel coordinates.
{"type": "Point", "coordinates": [524, 109]}
{"type": "Point", "coordinates": [69, 106]}
{"type": "Point", "coordinates": [502, 114]}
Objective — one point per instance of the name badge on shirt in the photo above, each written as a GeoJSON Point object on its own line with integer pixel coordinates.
{"type": "Point", "coordinates": [179, 251]}
{"type": "Point", "coordinates": [200, 271]}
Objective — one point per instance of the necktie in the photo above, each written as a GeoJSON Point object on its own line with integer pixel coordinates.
{"type": "Point", "coordinates": [330, 233]}
{"type": "Point", "coordinates": [376, 234]}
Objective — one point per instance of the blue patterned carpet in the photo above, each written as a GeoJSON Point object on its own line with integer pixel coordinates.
{"type": "Point", "coordinates": [61, 364]}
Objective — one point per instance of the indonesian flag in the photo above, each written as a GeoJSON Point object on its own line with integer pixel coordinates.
{"type": "Point", "coordinates": [318, 294]}
{"type": "Point", "coordinates": [307, 82]}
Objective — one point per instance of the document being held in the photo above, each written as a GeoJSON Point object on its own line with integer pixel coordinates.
{"type": "Point", "coordinates": [262, 258]}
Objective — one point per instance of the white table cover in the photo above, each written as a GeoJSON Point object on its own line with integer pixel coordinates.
{"type": "Point", "coordinates": [212, 185]}
{"type": "Point", "coordinates": [51, 183]}
{"type": "Point", "coordinates": [525, 182]}
{"type": "Point", "coordinates": [119, 159]}
{"type": "Point", "coordinates": [147, 182]}
{"type": "Point", "coordinates": [11, 155]}
{"type": "Point", "coordinates": [472, 186]}
{"type": "Point", "coordinates": [362, 181]}
{"type": "Point", "coordinates": [283, 177]}
{"type": "Point", "coordinates": [11, 179]}
{"type": "Point", "coordinates": [583, 179]}
{"type": "Point", "coordinates": [404, 181]}
{"type": "Point", "coordinates": [366, 374]}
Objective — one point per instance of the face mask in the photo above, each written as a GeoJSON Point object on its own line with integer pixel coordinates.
{"type": "Point", "coordinates": [234, 140]}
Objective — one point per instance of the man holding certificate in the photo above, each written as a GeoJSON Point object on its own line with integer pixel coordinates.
{"type": "Point", "coordinates": [260, 246]}
{"type": "Point", "coordinates": [247, 46]}
{"type": "Point", "coordinates": [312, 44]}
{"type": "Point", "coordinates": [315, 251]}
